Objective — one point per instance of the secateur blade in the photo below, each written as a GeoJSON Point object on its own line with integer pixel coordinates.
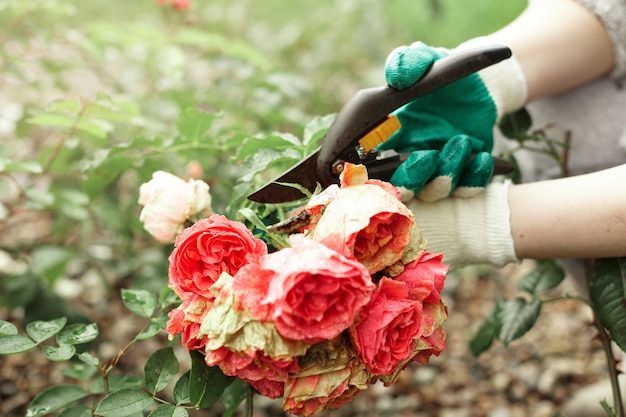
{"type": "Point", "coordinates": [303, 174]}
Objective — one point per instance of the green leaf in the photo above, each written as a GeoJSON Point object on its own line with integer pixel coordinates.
{"type": "Point", "coordinates": [193, 124]}
{"type": "Point", "coordinates": [205, 384]}
{"type": "Point", "coordinates": [50, 262]}
{"type": "Point", "coordinates": [487, 332]}
{"type": "Point", "coordinates": [181, 389]}
{"type": "Point", "coordinates": [120, 382]}
{"type": "Point", "coordinates": [140, 302]}
{"type": "Point", "coordinates": [234, 395]}
{"type": "Point", "coordinates": [160, 369]}
{"type": "Point", "coordinates": [123, 403]}
{"type": "Point", "coordinates": [88, 358]}
{"type": "Point", "coordinates": [168, 410]}
{"type": "Point", "coordinates": [15, 344]}
{"type": "Point", "coordinates": [75, 334]}
{"type": "Point", "coordinates": [154, 327]}
{"type": "Point", "coordinates": [61, 353]}
{"type": "Point", "coordinates": [546, 275]}
{"type": "Point", "coordinates": [517, 318]}
{"type": "Point", "coordinates": [79, 411]}
{"type": "Point", "coordinates": [272, 141]}
{"type": "Point", "coordinates": [168, 298]}
{"type": "Point", "coordinates": [42, 330]}
{"type": "Point", "coordinates": [515, 125]}
{"type": "Point", "coordinates": [79, 371]}
{"type": "Point", "coordinates": [7, 329]}
{"type": "Point", "coordinates": [608, 296]}
{"type": "Point", "coordinates": [30, 167]}
{"type": "Point", "coordinates": [53, 399]}
{"type": "Point", "coordinates": [316, 129]}
{"type": "Point", "coordinates": [610, 412]}
{"type": "Point", "coordinates": [99, 177]}
{"type": "Point", "coordinates": [264, 158]}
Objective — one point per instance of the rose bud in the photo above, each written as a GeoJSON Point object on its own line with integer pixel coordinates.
{"type": "Point", "coordinates": [312, 293]}
{"type": "Point", "coordinates": [169, 202]}
{"type": "Point", "coordinates": [371, 223]}
{"type": "Point", "coordinates": [205, 250]}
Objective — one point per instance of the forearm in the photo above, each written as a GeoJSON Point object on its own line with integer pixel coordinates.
{"type": "Point", "coordinates": [576, 217]}
{"type": "Point", "coordinates": [559, 45]}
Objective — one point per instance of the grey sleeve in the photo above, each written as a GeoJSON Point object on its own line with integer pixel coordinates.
{"type": "Point", "coordinates": [613, 14]}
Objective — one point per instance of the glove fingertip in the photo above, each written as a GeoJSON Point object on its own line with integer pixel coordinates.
{"type": "Point", "coordinates": [413, 173]}
{"type": "Point", "coordinates": [405, 65]}
{"type": "Point", "coordinates": [478, 172]}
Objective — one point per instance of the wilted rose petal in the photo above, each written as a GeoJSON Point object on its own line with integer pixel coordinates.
{"type": "Point", "coordinates": [186, 319]}
{"type": "Point", "coordinates": [169, 202]}
{"type": "Point", "coordinates": [389, 327]}
{"type": "Point", "coordinates": [205, 250]}
{"type": "Point", "coordinates": [313, 293]}
{"type": "Point", "coordinates": [352, 174]}
{"type": "Point", "coordinates": [329, 376]}
{"type": "Point", "coordinates": [373, 224]}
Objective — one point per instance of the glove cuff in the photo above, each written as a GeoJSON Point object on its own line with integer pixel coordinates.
{"type": "Point", "coordinates": [505, 80]}
{"type": "Point", "coordinates": [469, 231]}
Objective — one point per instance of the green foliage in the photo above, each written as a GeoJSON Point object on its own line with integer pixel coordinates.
{"type": "Point", "coordinates": [608, 295]}
{"type": "Point", "coordinates": [123, 403]}
{"type": "Point", "coordinates": [545, 276]}
{"type": "Point", "coordinates": [140, 302]}
{"type": "Point", "coordinates": [15, 344]}
{"type": "Point", "coordinates": [516, 125]}
{"type": "Point", "coordinates": [60, 353]}
{"type": "Point", "coordinates": [42, 330]}
{"type": "Point", "coordinates": [181, 389]}
{"type": "Point", "coordinates": [607, 409]}
{"type": "Point", "coordinates": [7, 329]}
{"type": "Point", "coordinates": [53, 399]}
{"type": "Point", "coordinates": [160, 369]}
{"type": "Point", "coordinates": [235, 394]}
{"type": "Point", "coordinates": [206, 384]}
{"type": "Point", "coordinates": [168, 410]}
{"type": "Point", "coordinates": [76, 334]}
{"type": "Point", "coordinates": [511, 319]}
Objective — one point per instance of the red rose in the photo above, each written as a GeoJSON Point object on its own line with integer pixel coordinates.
{"type": "Point", "coordinates": [312, 293]}
{"type": "Point", "coordinates": [389, 327]}
{"type": "Point", "coordinates": [186, 320]}
{"type": "Point", "coordinates": [205, 250]}
{"type": "Point", "coordinates": [431, 345]}
{"type": "Point", "coordinates": [425, 277]}
{"type": "Point", "coordinates": [266, 374]}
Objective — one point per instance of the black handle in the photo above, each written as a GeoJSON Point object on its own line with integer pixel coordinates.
{"type": "Point", "coordinates": [370, 107]}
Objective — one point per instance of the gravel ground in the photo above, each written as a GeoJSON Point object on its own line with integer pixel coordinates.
{"type": "Point", "coordinates": [534, 376]}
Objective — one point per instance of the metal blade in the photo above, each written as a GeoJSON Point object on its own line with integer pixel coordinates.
{"type": "Point", "coordinates": [304, 174]}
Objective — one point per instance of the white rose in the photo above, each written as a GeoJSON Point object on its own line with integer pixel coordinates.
{"type": "Point", "coordinates": [169, 202]}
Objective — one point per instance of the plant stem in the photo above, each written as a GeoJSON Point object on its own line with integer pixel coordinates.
{"type": "Point", "coordinates": [618, 404]}
{"type": "Point", "coordinates": [568, 297]}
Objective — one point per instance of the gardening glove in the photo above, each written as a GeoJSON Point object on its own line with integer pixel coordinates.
{"type": "Point", "coordinates": [444, 128]}
{"type": "Point", "coordinates": [468, 230]}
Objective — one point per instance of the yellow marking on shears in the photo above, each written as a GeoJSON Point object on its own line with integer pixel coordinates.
{"type": "Point", "coordinates": [380, 133]}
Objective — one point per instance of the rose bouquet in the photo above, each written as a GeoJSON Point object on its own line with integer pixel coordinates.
{"type": "Point", "coordinates": [351, 300]}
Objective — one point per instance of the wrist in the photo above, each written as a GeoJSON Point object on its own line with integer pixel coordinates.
{"type": "Point", "coordinates": [469, 231]}
{"type": "Point", "coordinates": [505, 80]}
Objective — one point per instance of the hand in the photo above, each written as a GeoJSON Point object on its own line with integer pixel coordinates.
{"type": "Point", "coordinates": [449, 132]}
{"type": "Point", "coordinates": [469, 230]}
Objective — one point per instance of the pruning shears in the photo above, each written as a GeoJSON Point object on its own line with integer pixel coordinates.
{"type": "Point", "coordinates": [364, 122]}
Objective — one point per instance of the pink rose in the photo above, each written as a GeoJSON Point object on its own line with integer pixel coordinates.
{"type": "Point", "coordinates": [205, 250]}
{"type": "Point", "coordinates": [389, 327]}
{"type": "Point", "coordinates": [431, 345]}
{"type": "Point", "coordinates": [266, 374]}
{"type": "Point", "coordinates": [425, 277]}
{"type": "Point", "coordinates": [370, 222]}
{"type": "Point", "coordinates": [186, 320]}
{"type": "Point", "coordinates": [169, 202]}
{"type": "Point", "coordinates": [312, 293]}
{"type": "Point", "coordinates": [314, 383]}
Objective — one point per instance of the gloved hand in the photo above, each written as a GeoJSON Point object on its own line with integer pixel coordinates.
{"type": "Point", "coordinates": [468, 230]}
{"type": "Point", "coordinates": [443, 128]}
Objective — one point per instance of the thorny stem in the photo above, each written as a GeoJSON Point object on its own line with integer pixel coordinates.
{"type": "Point", "coordinates": [618, 404]}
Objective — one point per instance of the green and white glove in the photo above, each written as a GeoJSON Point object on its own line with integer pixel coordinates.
{"type": "Point", "coordinates": [469, 230]}
{"type": "Point", "coordinates": [449, 132]}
